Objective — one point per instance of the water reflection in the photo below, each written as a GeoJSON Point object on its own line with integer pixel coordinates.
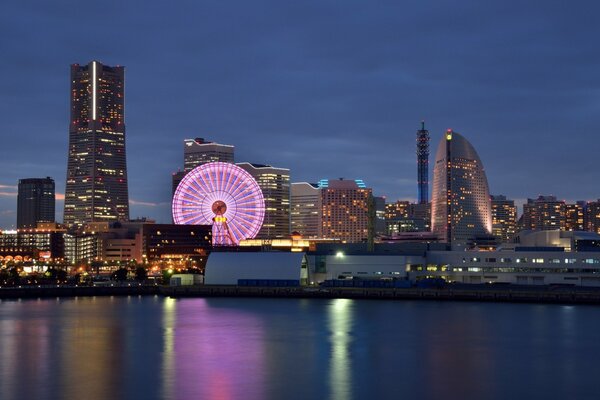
{"type": "Point", "coordinates": [340, 364]}
{"type": "Point", "coordinates": [158, 348]}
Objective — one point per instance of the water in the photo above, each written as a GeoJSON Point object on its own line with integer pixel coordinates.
{"type": "Point", "coordinates": [161, 348]}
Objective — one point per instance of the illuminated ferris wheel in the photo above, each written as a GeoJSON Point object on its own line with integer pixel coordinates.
{"type": "Point", "coordinates": [222, 195]}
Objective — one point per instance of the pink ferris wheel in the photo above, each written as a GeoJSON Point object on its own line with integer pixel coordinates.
{"type": "Point", "coordinates": [222, 195]}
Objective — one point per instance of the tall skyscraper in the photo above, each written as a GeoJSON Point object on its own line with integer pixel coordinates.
{"type": "Point", "coordinates": [345, 210]}
{"type": "Point", "coordinates": [461, 209]}
{"type": "Point", "coordinates": [504, 218]}
{"type": "Point", "coordinates": [35, 202]}
{"type": "Point", "coordinates": [275, 185]}
{"type": "Point", "coordinates": [305, 206]}
{"type": "Point", "coordinates": [423, 164]}
{"type": "Point", "coordinates": [96, 187]}
{"type": "Point", "coordinates": [544, 213]}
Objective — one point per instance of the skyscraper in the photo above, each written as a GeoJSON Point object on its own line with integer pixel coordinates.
{"type": "Point", "coordinates": [35, 202]}
{"type": "Point", "coordinates": [275, 185]}
{"type": "Point", "coordinates": [199, 151]}
{"type": "Point", "coordinates": [305, 206]}
{"type": "Point", "coordinates": [544, 213]}
{"type": "Point", "coordinates": [423, 164]}
{"type": "Point", "coordinates": [504, 218]}
{"type": "Point", "coordinates": [345, 210]}
{"type": "Point", "coordinates": [461, 209]}
{"type": "Point", "coordinates": [96, 187]}
{"type": "Point", "coordinates": [575, 216]}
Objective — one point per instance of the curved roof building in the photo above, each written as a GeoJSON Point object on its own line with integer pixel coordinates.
{"type": "Point", "coordinates": [460, 204]}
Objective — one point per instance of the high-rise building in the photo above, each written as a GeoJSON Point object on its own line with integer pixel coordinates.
{"type": "Point", "coordinates": [504, 218]}
{"type": "Point", "coordinates": [199, 151]}
{"type": "Point", "coordinates": [544, 213]}
{"type": "Point", "coordinates": [423, 164]}
{"type": "Point", "coordinates": [574, 216]}
{"type": "Point", "coordinates": [461, 209]}
{"type": "Point", "coordinates": [345, 210]}
{"type": "Point", "coordinates": [35, 202]}
{"type": "Point", "coordinates": [275, 185]}
{"type": "Point", "coordinates": [592, 216]}
{"type": "Point", "coordinates": [398, 209]}
{"type": "Point", "coordinates": [379, 214]}
{"type": "Point", "coordinates": [96, 187]}
{"type": "Point", "coordinates": [305, 209]}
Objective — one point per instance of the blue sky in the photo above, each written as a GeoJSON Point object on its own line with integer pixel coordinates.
{"type": "Point", "coordinates": [325, 88]}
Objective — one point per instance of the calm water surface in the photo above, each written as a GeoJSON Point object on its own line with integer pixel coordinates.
{"type": "Point", "coordinates": [160, 348]}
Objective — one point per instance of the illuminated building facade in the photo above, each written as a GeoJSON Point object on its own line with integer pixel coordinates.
{"type": "Point", "coordinates": [305, 209]}
{"type": "Point", "coordinates": [592, 216]}
{"type": "Point", "coordinates": [199, 151]}
{"type": "Point", "coordinates": [275, 185]}
{"type": "Point", "coordinates": [396, 210]}
{"type": "Point", "coordinates": [345, 210]}
{"type": "Point", "coordinates": [461, 209]}
{"type": "Point", "coordinates": [574, 216]}
{"type": "Point", "coordinates": [35, 202]}
{"type": "Point", "coordinates": [544, 213]}
{"type": "Point", "coordinates": [96, 187]}
{"type": "Point", "coordinates": [504, 218]}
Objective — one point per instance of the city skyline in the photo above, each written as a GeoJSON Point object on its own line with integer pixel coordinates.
{"type": "Point", "coordinates": [327, 105]}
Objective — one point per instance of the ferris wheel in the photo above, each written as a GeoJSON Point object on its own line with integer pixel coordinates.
{"type": "Point", "coordinates": [222, 195]}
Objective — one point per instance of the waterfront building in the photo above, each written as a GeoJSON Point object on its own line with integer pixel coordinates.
{"type": "Point", "coordinates": [504, 218]}
{"type": "Point", "coordinates": [305, 209]}
{"type": "Point", "coordinates": [423, 165]}
{"type": "Point", "coordinates": [275, 185]}
{"type": "Point", "coordinates": [96, 188]}
{"type": "Point", "coordinates": [574, 216]}
{"type": "Point", "coordinates": [345, 210]}
{"type": "Point", "coordinates": [544, 213]}
{"type": "Point", "coordinates": [35, 202]}
{"type": "Point", "coordinates": [461, 208]}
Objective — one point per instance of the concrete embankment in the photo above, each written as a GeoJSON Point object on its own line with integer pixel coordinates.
{"type": "Point", "coordinates": [29, 292]}
{"type": "Point", "coordinates": [543, 295]}
{"type": "Point", "coordinates": [523, 295]}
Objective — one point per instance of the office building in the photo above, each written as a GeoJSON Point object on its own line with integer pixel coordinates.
{"type": "Point", "coordinates": [275, 185]}
{"type": "Point", "coordinates": [345, 210]}
{"type": "Point", "coordinates": [461, 209]}
{"type": "Point", "coordinates": [398, 209]}
{"type": "Point", "coordinates": [35, 202]}
{"type": "Point", "coordinates": [200, 151]}
{"type": "Point", "coordinates": [544, 213]}
{"type": "Point", "coordinates": [504, 218]}
{"type": "Point", "coordinates": [305, 209]}
{"type": "Point", "coordinates": [96, 188]}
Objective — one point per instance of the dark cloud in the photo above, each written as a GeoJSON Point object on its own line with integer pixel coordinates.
{"type": "Point", "coordinates": [326, 88]}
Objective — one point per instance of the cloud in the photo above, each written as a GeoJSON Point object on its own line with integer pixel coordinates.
{"type": "Point", "coordinates": [13, 187]}
{"type": "Point", "coordinates": [60, 196]}
{"type": "Point", "coordinates": [8, 194]}
{"type": "Point", "coordinates": [146, 203]}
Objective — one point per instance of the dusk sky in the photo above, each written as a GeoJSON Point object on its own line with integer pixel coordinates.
{"type": "Point", "coordinates": [326, 88]}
